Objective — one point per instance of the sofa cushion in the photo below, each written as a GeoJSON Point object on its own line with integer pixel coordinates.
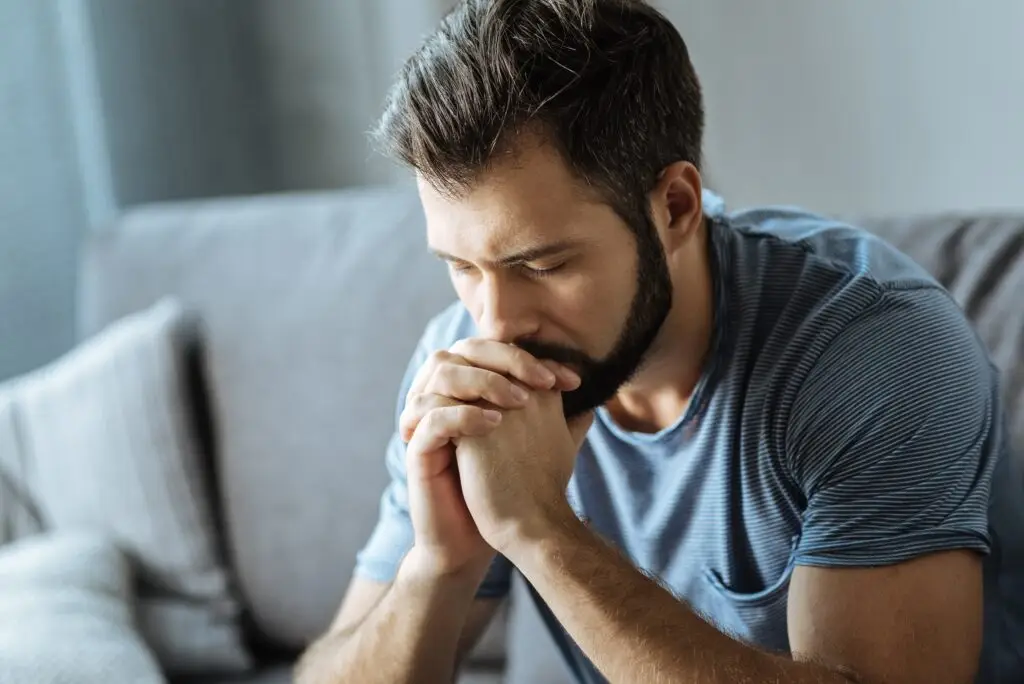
{"type": "Point", "coordinates": [980, 260]}
{"type": "Point", "coordinates": [19, 517]}
{"type": "Point", "coordinates": [272, 674]}
{"type": "Point", "coordinates": [312, 305]}
{"type": "Point", "coordinates": [282, 674]}
{"type": "Point", "coordinates": [10, 452]}
{"type": "Point", "coordinates": [66, 615]}
{"type": "Point", "coordinates": [106, 444]}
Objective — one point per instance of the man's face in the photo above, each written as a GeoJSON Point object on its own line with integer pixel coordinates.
{"type": "Point", "coordinates": [540, 263]}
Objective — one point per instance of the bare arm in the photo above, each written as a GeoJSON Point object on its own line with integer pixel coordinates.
{"type": "Point", "coordinates": [414, 630]}
{"type": "Point", "coordinates": [418, 628]}
{"type": "Point", "coordinates": [911, 623]}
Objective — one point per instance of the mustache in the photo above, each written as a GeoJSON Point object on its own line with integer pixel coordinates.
{"type": "Point", "coordinates": [557, 353]}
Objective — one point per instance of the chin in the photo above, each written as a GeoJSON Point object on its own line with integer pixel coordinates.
{"type": "Point", "coordinates": [575, 404]}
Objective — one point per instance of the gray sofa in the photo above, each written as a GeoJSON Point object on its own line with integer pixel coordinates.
{"type": "Point", "coordinates": [311, 305]}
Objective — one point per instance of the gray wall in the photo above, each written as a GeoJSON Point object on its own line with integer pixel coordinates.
{"type": "Point", "coordinates": [328, 66]}
{"type": "Point", "coordinates": [105, 104]}
{"type": "Point", "coordinates": [41, 206]}
{"type": "Point", "coordinates": [869, 106]}
{"type": "Point", "coordinates": [874, 105]}
{"type": "Point", "coordinates": [180, 86]}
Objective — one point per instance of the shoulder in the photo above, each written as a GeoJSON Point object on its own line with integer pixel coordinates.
{"type": "Point", "coordinates": [894, 435]}
{"type": "Point", "coordinates": [800, 279]}
{"type": "Point", "coordinates": [916, 333]}
{"type": "Point", "coordinates": [869, 348]}
{"type": "Point", "coordinates": [826, 242]}
{"type": "Point", "coordinates": [909, 366]}
{"type": "Point", "coordinates": [819, 299]}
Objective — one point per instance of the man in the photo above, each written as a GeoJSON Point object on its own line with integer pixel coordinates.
{"type": "Point", "coordinates": [721, 447]}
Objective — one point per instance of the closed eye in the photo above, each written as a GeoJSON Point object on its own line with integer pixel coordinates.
{"type": "Point", "coordinates": [535, 272]}
{"type": "Point", "coordinates": [456, 266]}
{"type": "Point", "coordinates": [464, 268]}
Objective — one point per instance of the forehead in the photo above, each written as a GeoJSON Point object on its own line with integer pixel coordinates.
{"type": "Point", "coordinates": [528, 198]}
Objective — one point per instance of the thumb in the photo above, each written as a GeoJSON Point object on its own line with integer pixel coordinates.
{"type": "Point", "coordinates": [579, 426]}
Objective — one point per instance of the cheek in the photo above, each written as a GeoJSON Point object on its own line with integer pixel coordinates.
{"type": "Point", "coordinates": [468, 288]}
{"type": "Point", "coordinates": [589, 310]}
{"type": "Point", "coordinates": [462, 290]}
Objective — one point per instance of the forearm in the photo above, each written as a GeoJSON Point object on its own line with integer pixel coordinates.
{"type": "Point", "coordinates": [410, 637]}
{"type": "Point", "coordinates": [631, 628]}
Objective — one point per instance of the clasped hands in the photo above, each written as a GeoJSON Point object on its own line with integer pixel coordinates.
{"type": "Point", "coordinates": [489, 453]}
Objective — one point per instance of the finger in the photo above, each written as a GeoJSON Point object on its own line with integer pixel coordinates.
{"type": "Point", "coordinates": [430, 366]}
{"type": "Point", "coordinates": [441, 425]}
{"type": "Point", "coordinates": [417, 406]}
{"type": "Point", "coordinates": [422, 465]}
{"type": "Point", "coordinates": [505, 359]}
{"type": "Point", "coordinates": [568, 380]}
{"type": "Point", "coordinates": [470, 384]}
{"type": "Point", "coordinates": [411, 416]}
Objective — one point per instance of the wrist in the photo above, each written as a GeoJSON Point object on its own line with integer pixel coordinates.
{"type": "Point", "coordinates": [423, 568]}
{"type": "Point", "coordinates": [539, 535]}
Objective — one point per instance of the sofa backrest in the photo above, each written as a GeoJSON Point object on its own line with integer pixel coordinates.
{"type": "Point", "coordinates": [312, 305]}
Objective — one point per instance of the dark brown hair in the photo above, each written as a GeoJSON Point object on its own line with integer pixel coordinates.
{"type": "Point", "coordinates": [608, 82]}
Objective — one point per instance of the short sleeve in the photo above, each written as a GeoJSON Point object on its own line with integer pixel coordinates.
{"type": "Point", "coordinates": [893, 436]}
{"type": "Point", "coordinates": [392, 537]}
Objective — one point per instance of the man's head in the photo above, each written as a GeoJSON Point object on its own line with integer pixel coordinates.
{"type": "Point", "coordinates": [556, 145]}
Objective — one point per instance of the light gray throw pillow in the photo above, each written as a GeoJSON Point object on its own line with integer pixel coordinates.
{"type": "Point", "coordinates": [65, 613]}
{"type": "Point", "coordinates": [18, 515]}
{"type": "Point", "coordinates": [107, 442]}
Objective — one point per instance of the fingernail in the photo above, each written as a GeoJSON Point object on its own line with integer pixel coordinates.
{"type": "Point", "coordinates": [571, 377]}
{"type": "Point", "coordinates": [492, 416]}
{"type": "Point", "coordinates": [519, 394]}
{"type": "Point", "coordinates": [547, 376]}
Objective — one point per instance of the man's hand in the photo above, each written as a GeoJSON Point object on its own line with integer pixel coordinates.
{"type": "Point", "coordinates": [453, 396]}
{"type": "Point", "coordinates": [514, 477]}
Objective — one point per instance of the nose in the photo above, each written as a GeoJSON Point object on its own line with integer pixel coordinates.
{"type": "Point", "coordinates": [505, 311]}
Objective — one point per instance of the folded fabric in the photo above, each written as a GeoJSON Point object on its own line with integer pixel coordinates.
{"type": "Point", "coordinates": [107, 441]}
{"type": "Point", "coordinates": [66, 616]}
{"type": "Point", "coordinates": [18, 514]}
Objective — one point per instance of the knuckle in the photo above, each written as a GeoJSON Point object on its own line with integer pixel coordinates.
{"type": "Point", "coordinates": [435, 378]}
{"type": "Point", "coordinates": [440, 356]}
{"type": "Point", "coordinates": [422, 377]}
{"type": "Point", "coordinates": [523, 358]}
{"type": "Point", "coordinates": [467, 414]}
{"type": "Point", "coordinates": [443, 365]}
{"type": "Point", "coordinates": [434, 406]}
{"type": "Point", "coordinates": [461, 347]}
{"type": "Point", "coordinates": [434, 419]}
{"type": "Point", "coordinates": [414, 406]}
{"type": "Point", "coordinates": [500, 386]}
{"type": "Point", "coordinates": [437, 359]}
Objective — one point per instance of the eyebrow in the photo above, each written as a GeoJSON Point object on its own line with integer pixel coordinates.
{"type": "Point", "coordinates": [521, 257]}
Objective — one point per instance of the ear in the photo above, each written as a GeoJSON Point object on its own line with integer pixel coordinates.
{"type": "Point", "coordinates": [676, 203]}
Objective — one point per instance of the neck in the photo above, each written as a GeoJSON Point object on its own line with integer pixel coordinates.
{"type": "Point", "coordinates": [661, 391]}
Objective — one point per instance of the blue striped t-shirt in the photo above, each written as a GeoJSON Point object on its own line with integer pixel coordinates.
{"type": "Point", "coordinates": [848, 416]}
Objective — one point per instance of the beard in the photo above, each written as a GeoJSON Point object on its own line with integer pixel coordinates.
{"type": "Point", "coordinates": [602, 378]}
